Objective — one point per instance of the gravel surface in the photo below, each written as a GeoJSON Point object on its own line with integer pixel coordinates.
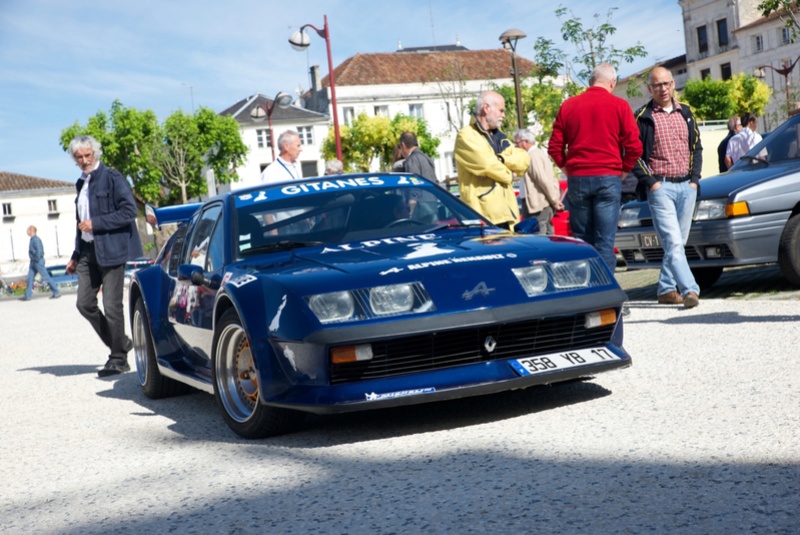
{"type": "Point", "coordinates": [701, 435]}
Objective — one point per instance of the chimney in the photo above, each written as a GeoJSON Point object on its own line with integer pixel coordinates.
{"type": "Point", "coordinates": [316, 81]}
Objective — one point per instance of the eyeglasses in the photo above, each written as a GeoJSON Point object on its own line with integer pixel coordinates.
{"type": "Point", "coordinates": [662, 85]}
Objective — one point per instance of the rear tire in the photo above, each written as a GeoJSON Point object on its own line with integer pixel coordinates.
{"type": "Point", "coordinates": [705, 277]}
{"type": "Point", "coordinates": [154, 385]}
{"type": "Point", "coordinates": [236, 385]}
{"type": "Point", "coordinates": [788, 253]}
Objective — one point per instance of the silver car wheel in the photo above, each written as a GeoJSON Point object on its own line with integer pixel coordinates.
{"type": "Point", "coordinates": [236, 376]}
{"type": "Point", "coordinates": [139, 345]}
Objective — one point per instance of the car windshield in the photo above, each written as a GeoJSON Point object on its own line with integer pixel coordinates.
{"type": "Point", "coordinates": [779, 146]}
{"type": "Point", "coordinates": [344, 209]}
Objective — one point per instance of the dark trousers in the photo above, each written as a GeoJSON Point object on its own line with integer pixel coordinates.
{"type": "Point", "coordinates": [110, 327]}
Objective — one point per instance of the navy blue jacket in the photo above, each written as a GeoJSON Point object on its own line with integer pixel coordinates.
{"type": "Point", "coordinates": [113, 213]}
{"type": "Point", "coordinates": [35, 249]}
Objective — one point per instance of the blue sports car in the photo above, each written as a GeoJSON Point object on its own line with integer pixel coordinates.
{"type": "Point", "coordinates": [359, 292]}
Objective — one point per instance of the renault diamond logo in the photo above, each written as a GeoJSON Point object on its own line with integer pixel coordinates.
{"type": "Point", "coordinates": [480, 289]}
{"type": "Point", "coordinates": [489, 344]}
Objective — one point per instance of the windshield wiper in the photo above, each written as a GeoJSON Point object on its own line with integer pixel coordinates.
{"type": "Point", "coordinates": [754, 159]}
{"type": "Point", "coordinates": [282, 245]}
{"type": "Point", "coordinates": [442, 226]}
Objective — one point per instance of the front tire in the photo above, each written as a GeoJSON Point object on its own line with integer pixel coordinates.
{"type": "Point", "coordinates": [236, 385]}
{"type": "Point", "coordinates": [154, 385]}
{"type": "Point", "coordinates": [788, 253]}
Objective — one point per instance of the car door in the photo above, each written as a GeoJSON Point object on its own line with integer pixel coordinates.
{"type": "Point", "coordinates": [192, 313]}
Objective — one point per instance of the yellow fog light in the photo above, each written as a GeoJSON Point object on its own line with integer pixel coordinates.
{"type": "Point", "coordinates": [601, 318]}
{"type": "Point", "coordinates": [345, 354]}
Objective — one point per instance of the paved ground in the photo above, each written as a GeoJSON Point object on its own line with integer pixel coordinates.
{"type": "Point", "coordinates": [701, 435]}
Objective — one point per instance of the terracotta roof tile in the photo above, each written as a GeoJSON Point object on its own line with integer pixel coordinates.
{"type": "Point", "coordinates": [418, 67]}
{"type": "Point", "coordinates": [17, 182]}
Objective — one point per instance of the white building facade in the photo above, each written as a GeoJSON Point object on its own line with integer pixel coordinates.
{"type": "Point", "coordinates": [49, 205]}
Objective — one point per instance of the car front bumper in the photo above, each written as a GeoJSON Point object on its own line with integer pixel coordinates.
{"type": "Point", "coordinates": [725, 243]}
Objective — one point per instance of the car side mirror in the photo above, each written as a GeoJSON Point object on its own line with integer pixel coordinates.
{"type": "Point", "coordinates": [187, 271]}
{"type": "Point", "coordinates": [527, 226]}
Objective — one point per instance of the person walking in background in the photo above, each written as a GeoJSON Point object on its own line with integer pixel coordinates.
{"type": "Point", "coordinates": [487, 162]}
{"type": "Point", "coordinates": [596, 141]}
{"type": "Point", "coordinates": [414, 160]}
{"type": "Point", "coordinates": [106, 237]}
{"type": "Point", "coordinates": [746, 139]}
{"type": "Point", "coordinates": [539, 190]}
{"type": "Point", "coordinates": [286, 166]}
{"type": "Point", "coordinates": [36, 254]}
{"type": "Point", "coordinates": [334, 167]}
{"type": "Point", "coordinates": [669, 171]}
{"type": "Point", "coordinates": [734, 126]}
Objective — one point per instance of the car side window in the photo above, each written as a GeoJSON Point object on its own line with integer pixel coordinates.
{"type": "Point", "coordinates": [177, 249]}
{"type": "Point", "coordinates": [199, 249]}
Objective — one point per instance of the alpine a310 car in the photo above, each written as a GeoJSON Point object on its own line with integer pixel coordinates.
{"type": "Point", "coordinates": [359, 292]}
{"type": "Point", "coordinates": [749, 215]}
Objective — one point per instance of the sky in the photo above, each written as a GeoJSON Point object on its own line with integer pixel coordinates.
{"type": "Point", "coordinates": [63, 61]}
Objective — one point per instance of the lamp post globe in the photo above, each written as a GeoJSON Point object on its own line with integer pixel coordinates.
{"type": "Point", "coordinates": [300, 40]}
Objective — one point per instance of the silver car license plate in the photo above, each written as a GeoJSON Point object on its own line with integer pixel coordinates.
{"type": "Point", "coordinates": [650, 241]}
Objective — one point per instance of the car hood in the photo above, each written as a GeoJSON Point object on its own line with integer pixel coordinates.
{"type": "Point", "coordinates": [735, 180]}
{"type": "Point", "coordinates": [413, 257]}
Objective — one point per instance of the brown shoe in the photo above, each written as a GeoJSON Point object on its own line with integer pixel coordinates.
{"type": "Point", "coordinates": [691, 300]}
{"type": "Point", "coordinates": [670, 298]}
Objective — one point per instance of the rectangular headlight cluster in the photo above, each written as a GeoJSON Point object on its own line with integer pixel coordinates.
{"type": "Point", "coordinates": [552, 277]}
{"type": "Point", "coordinates": [368, 303]}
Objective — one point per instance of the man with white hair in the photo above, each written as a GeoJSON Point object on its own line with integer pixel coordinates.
{"type": "Point", "coordinates": [286, 166]}
{"type": "Point", "coordinates": [487, 162]}
{"type": "Point", "coordinates": [539, 192]}
{"type": "Point", "coordinates": [596, 141]}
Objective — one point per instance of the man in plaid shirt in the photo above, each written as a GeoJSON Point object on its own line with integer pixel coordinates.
{"type": "Point", "coordinates": [669, 171]}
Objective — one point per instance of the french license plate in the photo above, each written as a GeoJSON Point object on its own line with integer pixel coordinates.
{"type": "Point", "coordinates": [562, 361]}
{"type": "Point", "coordinates": [650, 241]}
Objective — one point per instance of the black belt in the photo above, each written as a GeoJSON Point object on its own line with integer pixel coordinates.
{"type": "Point", "coordinates": [676, 179]}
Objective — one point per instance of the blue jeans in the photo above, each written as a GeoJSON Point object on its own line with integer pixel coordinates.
{"type": "Point", "coordinates": [672, 206]}
{"type": "Point", "coordinates": [33, 269]}
{"type": "Point", "coordinates": [594, 212]}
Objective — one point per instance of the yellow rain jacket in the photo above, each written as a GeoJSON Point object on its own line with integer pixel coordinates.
{"type": "Point", "coordinates": [485, 177]}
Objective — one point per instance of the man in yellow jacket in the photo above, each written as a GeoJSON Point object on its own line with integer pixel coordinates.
{"type": "Point", "coordinates": [487, 162]}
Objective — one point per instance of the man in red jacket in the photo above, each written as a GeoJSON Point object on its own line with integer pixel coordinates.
{"type": "Point", "coordinates": [596, 142]}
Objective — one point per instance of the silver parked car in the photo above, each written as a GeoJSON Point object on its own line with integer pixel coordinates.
{"type": "Point", "coordinates": [749, 215]}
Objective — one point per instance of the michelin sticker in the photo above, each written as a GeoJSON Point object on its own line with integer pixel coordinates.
{"type": "Point", "coordinates": [403, 393]}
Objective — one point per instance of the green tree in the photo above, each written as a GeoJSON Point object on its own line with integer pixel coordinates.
{"type": "Point", "coordinates": [710, 99]}
{"type": "Point", "coordinates": [749, 94]}
{"type": "Point", "coordinates": [786, 12]}
{"type": "Point", "coordinates": [591, 47]}
{"type": "Point", "coordinates": [370, 138]}
{"type": "Point", "coordinates": [165, 162]}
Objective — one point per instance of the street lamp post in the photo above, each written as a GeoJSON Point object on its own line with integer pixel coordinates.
{"type": "Point", "coordinates": [785, 71]}
{"type": "Point", "coordinates": [509, 39]}
{"type": "Point", "coordinates": [259, 112]}
{"type": "Point", "coordinates": [300, 41]}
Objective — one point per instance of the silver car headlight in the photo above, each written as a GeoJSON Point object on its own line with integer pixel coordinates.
{"type": "Point", "coordinates": [710, 209]}
{"type": "Point", "coordinates": [629, 217]}
{"type": "Point", "coordinates": [532, 278]}
{"type": "Point", "coordinates": [334, 306]}
{"type": "Point", "coordinates": [572, 274]}
{"type": "Point", "coordinates": [393, 299]}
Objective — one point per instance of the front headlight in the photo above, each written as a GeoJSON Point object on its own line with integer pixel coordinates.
{"type": "Point", "coordinates": [710, 209]}
{"type": "Point", "coordinates": [573, 274]}
{"type": "Point", "coordinates": [532, 278]}
{"type": "Point", "coordinates": [370, 303]}
{"type": "Point", "coordinates": [392, 299]}
{"type": "Point", "coordinates": [629, 217]}
{"type": "Point", "coordinates": [334, 306]}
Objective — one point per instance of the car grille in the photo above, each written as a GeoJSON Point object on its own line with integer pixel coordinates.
{"type": "Point", "coordinates": [443, 350]}
{"type": "Point", "coordinates": [657, 254]}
